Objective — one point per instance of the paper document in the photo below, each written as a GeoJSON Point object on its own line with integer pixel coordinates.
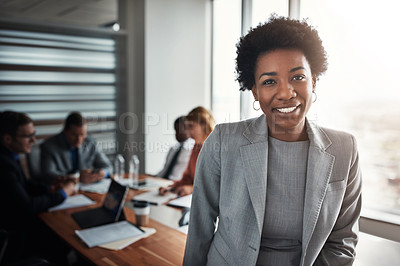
{"type": "Point", "coordinates": [120, 244]}
{"type": "Point", "coordinates": [108, 233]}
{"type": "Point", "coordinates": [155, 183]}
{"type": "Point", "coordinates": [184, 201]}
{"type": "Point", "coordinates": [150, 183]}
{"type": "Point", "coordinates": [154, 198]}
{"type": "Point", "coordinates": [73, 202]}
{"type": "Point", "coordinates": [98, 187]}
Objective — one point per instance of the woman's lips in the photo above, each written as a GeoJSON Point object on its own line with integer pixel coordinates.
{"type": "Point", "coordinates": [286, 109]}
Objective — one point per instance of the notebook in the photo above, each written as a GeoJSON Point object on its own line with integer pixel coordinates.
{"type": "Point", "coordinates": [111, 210]}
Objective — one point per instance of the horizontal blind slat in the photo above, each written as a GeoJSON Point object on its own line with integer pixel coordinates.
{"type": "Point", "coordinates": [48, 75]}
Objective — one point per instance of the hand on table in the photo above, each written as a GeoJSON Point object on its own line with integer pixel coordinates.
{"type": "Point", "coordinates": [184, 190]}
{"type": "Point", "coordinates": [69, 187]}
{"type": "Point", "coordinates": [60, 182]}
{"type": "Point", "coordinates": [88, 176]}
{"type": "Point", "coordinates": [164, 190]}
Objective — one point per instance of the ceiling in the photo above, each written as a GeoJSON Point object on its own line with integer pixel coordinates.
{"type": "Point", "coordinates": [87, 13]}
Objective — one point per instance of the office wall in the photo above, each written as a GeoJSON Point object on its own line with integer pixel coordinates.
{"type": "Point", "coordinates": [177, 72]}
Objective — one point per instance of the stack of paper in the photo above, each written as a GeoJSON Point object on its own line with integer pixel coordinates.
{"type": "Point", "coordinates": [150, 183]}
{"type": "Point", "coordinates": [98, 187]}
{"type": "Point", "coordinates": [73, 202]}
{"type": "Point", "coordinates": [109, 233]}
{"type": "Point", "coordinates": [154, 198]}
{"type": "Point", "coordinates": [185, 201]}
{"type": "Point", "coordinates": [120, 244]}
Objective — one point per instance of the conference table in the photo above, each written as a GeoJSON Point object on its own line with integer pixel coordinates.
{"type": "Point", "coordinates": [165, 247]}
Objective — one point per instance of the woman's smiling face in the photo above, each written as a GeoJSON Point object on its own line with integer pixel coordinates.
{"type": "Point", "coordinates": [284, 85]}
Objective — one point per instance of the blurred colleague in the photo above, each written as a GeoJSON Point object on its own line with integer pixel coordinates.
{"type": "Point", "coordinates": [21, 199]}
{"type": "Point", "coordinates": [199, 123]}
{"type": "Point", "coordinates": [179, 154]}
{"type": "Point", "coordinates": [72, 152]}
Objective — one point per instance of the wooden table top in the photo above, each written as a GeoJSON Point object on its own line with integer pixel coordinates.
{"type": "Point", "coordinates": [165, 247]}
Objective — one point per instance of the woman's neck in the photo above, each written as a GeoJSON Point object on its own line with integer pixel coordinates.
{"type": "Point", "coordinates": [289, 135]}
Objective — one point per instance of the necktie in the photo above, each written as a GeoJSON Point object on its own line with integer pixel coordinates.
{"type": "Point", "coordinates": [173, 162]}
{"type": "Point", "coordinates": [75, 160]}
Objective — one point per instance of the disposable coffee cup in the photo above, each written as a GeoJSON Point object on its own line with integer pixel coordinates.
{"type": "Point", "coordinates": [142, 212]}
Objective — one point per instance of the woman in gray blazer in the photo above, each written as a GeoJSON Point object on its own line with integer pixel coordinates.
{"type": "Point", "coordinates": [278, 189]}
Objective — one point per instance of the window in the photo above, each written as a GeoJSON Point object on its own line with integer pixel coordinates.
{"type": "Point", "coordinates": [261, 10]}
{"type": "Point", "coordinates": [227, 100]}
{"type": "Point", "coordinates": [360, 93]}
{"type": "Point", "coordinates": [226, 32]}
{"type": "Point", "coordinates": [47, 75]}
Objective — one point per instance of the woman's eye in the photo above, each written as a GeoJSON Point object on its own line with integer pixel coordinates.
{"type": "Point", "coordinates": [268, 82]}
{"type": "Point", "coordinates": [299, 77]}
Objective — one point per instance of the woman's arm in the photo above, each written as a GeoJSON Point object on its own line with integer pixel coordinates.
{"type": "Point", "coordinates": [205, 202]}
{"type": "Point", "coordinates": [339, 248]}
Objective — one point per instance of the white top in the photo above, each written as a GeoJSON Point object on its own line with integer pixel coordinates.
{"type": "Point", "coordinates": [182, 161]}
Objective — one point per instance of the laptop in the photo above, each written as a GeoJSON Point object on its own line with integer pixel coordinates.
{"type": "Point", "coordinates": [111, 211]}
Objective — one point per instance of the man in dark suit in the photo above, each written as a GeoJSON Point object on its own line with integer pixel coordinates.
{"type": "Point", "coordinates": [21, 199]}
{"type": "Point", "coordinates": [73, 152]}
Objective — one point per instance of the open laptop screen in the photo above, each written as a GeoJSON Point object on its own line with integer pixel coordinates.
{"type": "Point", "coordinates": [109, 212]}
{"type": "Point", "coordinates": [114, 200]}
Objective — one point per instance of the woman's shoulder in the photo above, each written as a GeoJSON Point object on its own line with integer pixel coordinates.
{"type": "Point", "coordinates": [318, 129]}
{"type": "Point", "coordinates": [229, 133]}
{"type": "Point", "coordinates": [325, 137]}
{"type": "Point", "coordinates": [238, 126]}
{"type": "Point", "coordinates": [337, 139]}
{"type": "Point", "coordinates": [336, 133]}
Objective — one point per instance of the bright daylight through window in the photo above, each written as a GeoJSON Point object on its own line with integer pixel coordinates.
{"type": "Point", "coordinates": [360, 93]}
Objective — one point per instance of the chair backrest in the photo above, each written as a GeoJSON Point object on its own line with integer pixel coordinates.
{"type": "Point", "coordinates": [33, 161]}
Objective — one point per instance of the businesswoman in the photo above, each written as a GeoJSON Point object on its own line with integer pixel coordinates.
{"type": "Point", "coordinates": [283, 190]}
{"type": "Point", "coordinates": [199, 124]}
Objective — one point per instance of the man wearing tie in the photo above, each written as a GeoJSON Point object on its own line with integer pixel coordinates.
{"type": "Point", "coordinates": [72, 152]}
{"type": "Point", "coordinates": [178, 156]}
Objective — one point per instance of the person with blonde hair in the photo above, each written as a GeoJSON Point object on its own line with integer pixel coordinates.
{"type": "Point", "coordinates": [199, 123]}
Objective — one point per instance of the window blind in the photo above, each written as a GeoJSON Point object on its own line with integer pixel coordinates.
{"type": "Point", "coordinates": [48, 75]}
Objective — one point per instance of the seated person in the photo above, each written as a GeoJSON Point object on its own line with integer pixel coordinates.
{"type": "Point", "coordinates": [178, 155]}
{"type": "Point", "coordinates": [72, 151]}
{"type": "Point", "coordinates": [21, 199]}
{"type": "Point", "coordinates": [199, 123]}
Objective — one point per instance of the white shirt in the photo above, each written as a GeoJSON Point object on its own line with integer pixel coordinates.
{"type": "Point", "coordinates": [182, 161]}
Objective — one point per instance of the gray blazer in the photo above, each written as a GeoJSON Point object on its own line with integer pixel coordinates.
{"type": "Point", "coordinates": [55, 157]}
{"type": "Point", "coordinates": [230, 184]}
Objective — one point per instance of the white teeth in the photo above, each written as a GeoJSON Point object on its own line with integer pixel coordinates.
{"type": "Point", "coordinates": [286, 110]}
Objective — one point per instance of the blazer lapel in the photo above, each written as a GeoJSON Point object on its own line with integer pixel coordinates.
{"type": "Point", "coordinates": [319, 169]}
{"type": "Point", "coordinates": [66, 154]}
{"type": "Point", "coordinates": [81, 165]}
{"type": "Point", "coordinates": [255, 158]}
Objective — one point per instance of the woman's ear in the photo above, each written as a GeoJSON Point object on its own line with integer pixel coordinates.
{"type": "Point", "coordinates": [314, 83]}
{"type": "Point", "coordinates": [254, 91]}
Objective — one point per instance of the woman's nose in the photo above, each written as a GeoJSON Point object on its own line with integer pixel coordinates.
{"type": "Point", "coordinates": [286, 92]}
